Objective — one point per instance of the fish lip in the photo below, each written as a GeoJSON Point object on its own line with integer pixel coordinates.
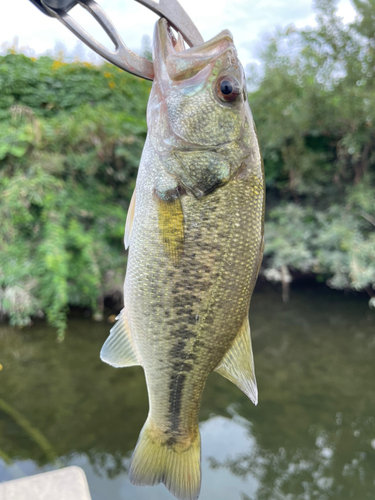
{"type": "Point", "coordinates": [184, 64]}
{"type": "Point", "coordinates": [211, 148]}
{"type": "Point", "coordinates": [165, 40]}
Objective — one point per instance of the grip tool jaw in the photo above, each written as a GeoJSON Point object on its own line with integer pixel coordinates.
{"type": "Point", "coordinates": [121, 56]}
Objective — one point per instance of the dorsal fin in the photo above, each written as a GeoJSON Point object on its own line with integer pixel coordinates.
{"type": "Point", "coordinates": [238, 364]}
{"type": "Point", "coordinates": [129, 221]}
{"type": "Point", "coordinates": [118, 349]}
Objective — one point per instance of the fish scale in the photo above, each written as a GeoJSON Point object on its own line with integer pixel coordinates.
{"type": "Point", "coordinates": [212, 282]}
{"type": "Point", "coordinates": [195, 235]}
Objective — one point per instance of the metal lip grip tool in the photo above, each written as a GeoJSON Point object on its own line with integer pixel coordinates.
{"type": "Point", "coordinates": [122, 56]}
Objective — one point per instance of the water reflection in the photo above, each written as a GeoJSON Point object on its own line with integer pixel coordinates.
{"type": "Point", "coordinates": [311, 437]}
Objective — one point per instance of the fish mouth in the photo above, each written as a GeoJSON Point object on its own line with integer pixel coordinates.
{"type": "Point", "coordinates": [181, 63]}
{"type": "Point", "coordinates": [212, 148]}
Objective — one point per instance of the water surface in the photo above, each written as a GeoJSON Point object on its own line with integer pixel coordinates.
{"type": "Point", "coordinates": [312, 435]}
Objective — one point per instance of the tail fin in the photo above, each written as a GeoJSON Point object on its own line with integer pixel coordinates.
{"type": "Point", "coordinates": [175, 465]}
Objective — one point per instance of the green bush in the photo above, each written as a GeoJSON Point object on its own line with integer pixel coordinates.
{"type": "Point", "coordinates": [71, 138]}
{"type": "Point", "coordinates": [315, 113]}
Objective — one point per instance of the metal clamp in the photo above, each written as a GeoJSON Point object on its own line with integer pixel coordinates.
{"type": "Point", "coordinates": [56, 4]}
{"type": "Point", "coordinates": [122, 56]}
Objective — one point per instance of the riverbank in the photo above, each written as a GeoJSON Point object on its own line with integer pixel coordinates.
{"type": "Point", "coordinates": [301, 286]}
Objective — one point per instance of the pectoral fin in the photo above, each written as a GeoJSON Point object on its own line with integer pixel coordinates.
{"type": "Point", "coordinates": [238, 363]}
{"type": "Point", "coordinates": [118, 350]}
{"type": "Point", "coordinates": [129, 221]}
{"type": "Point", "coordinates": [171, 226]}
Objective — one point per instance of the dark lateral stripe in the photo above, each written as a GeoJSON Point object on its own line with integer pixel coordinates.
{"type": "Point", "coordinates": [176, 387]}
{"type": "Point", "coordinates": [182, 365]}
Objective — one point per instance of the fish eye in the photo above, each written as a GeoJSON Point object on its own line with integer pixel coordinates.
{"type": "Point", "coordinates": [227, 89]}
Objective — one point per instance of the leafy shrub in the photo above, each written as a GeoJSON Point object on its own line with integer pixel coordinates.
{"type": "Point", "coordinates": [314, 108]}
{"type": "Point", "coordinates": [71, 138]}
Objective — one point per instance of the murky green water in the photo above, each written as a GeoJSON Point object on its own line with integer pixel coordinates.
{"type": "Point", "coordinates": [311, 437]}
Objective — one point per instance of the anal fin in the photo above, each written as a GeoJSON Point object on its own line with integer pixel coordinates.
{"type": "Point", "coordinates": [238, 363]}
{"type": "Point", "coordinates": [118, 350]}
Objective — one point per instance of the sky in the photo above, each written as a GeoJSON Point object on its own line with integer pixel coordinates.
{"type": "Point", "coordinates": [248, 20]}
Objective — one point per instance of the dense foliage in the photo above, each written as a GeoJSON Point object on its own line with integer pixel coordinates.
{"type": "Point", "coordinates": [71, 139]}
{"type": "Point", "coordinates": [315, 113]}
{"type": "Point", "coordinates": [71, 136]}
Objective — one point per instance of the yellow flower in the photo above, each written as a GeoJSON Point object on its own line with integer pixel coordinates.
{"type": "Point", "coordinates": [57, 65]}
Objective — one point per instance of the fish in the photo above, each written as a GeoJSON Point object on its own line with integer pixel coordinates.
{"type": "Point", "coordinates": [195, 235]}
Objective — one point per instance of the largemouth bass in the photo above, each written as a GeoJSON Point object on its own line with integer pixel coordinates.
{"type": "Point", "coordinates": [195, 236]}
